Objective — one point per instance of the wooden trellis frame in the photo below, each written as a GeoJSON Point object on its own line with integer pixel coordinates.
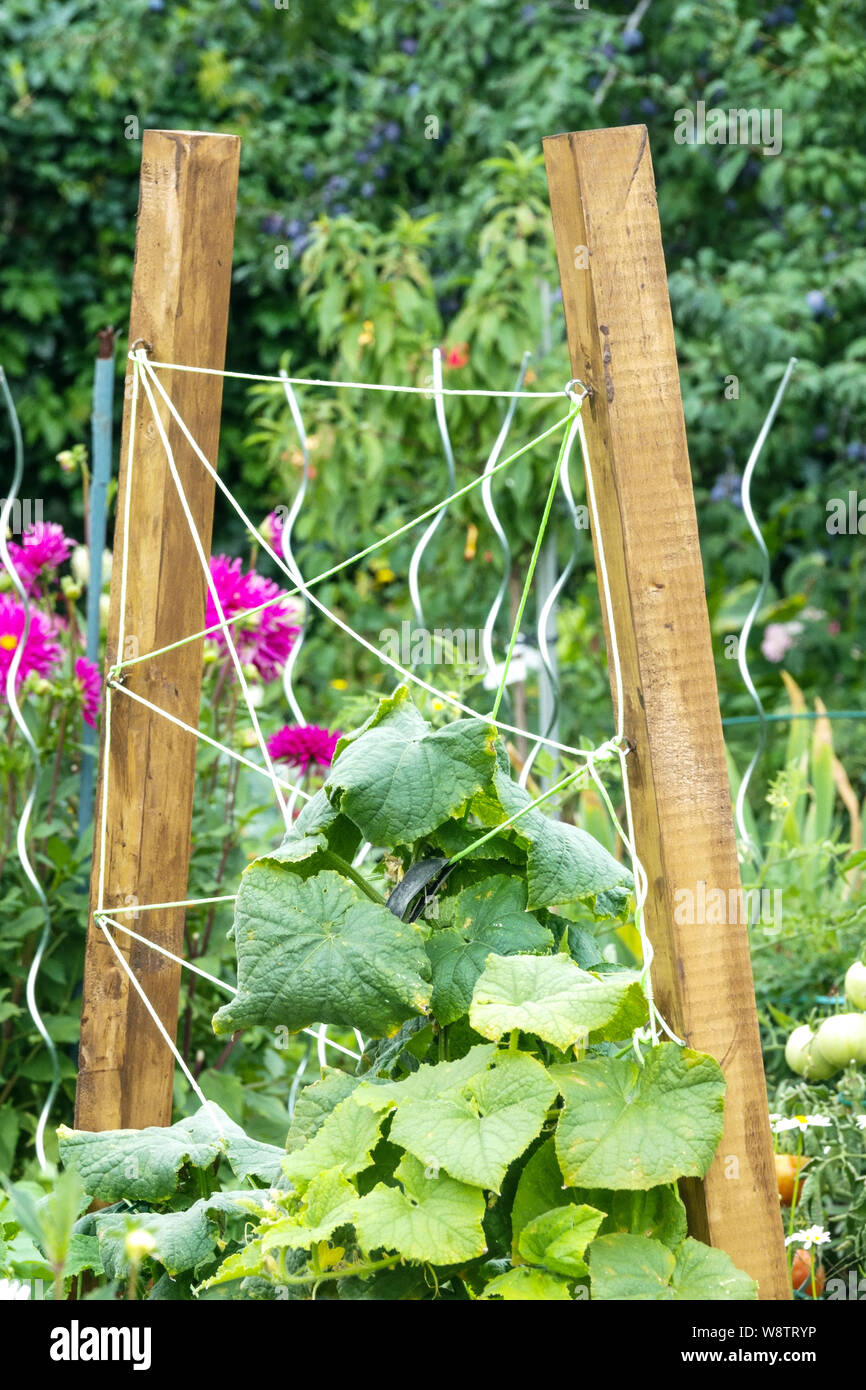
{"type": "Point", "coordinates": [621, 341]}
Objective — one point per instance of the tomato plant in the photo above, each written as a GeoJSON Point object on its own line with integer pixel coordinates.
{"type": "Point", "coordinates": [507, 1135]}
{"type": "Point", "coordinates": [802, 1279]}
{"type": "Point", "coordinates": [788, 1169]}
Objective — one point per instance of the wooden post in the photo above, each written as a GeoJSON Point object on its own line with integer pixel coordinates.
{"type": "Point", "coordinates": [620, 336]}
{"type": "Point", "coordinates": [180, 298]}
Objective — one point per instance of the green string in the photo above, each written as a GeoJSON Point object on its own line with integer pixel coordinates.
{"type": "Point", "coordinates": [353, 559]}
{"type": "Point", "coordinates": [777, 718]}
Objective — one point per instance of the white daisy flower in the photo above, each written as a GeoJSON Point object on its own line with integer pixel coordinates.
{"type": "Point", "coordinates": [14, 1289]}
{"type": "Point", "coordinates": [801, 1122]}
{"type": "Point", "coordinates": [815, 1235]}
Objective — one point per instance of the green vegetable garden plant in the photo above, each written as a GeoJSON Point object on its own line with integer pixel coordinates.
{"type": "Point", "coordinates": [507, 1135]}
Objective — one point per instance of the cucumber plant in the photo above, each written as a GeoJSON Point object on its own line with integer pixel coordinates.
{"type": "Point", "coordinates": [508, 1133]}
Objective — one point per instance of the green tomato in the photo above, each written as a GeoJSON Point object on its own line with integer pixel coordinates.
{"type": "Point", "coordinates": [802, 1058]}
{"type": "Point", "coordinates": [855, 984]}
{"type": "Point", "coordinates": [842, 1039]}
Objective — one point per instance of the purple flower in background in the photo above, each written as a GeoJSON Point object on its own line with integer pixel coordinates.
{"type": "Point", "coordinates": [87, 677]}
{"type": "Point", "coordinates": [409, 46]}
{"type": "Point", "coordinates": [391, 131]}
{"type": "Point", "coordinates": [43, 546]}
{"type": "Point", "coordinates": [727, 488]}
{"type": "Point", "coordinates": [41, 653]}
{"type": "Point", "coordinates": [632, 39]}
{"type": "Point", "coordinates": [304, 745]}
{"type": "Point", "coordinates": [265, 638]}
{"type": "Point", "coordinates": [778, 639]}
{"type": "Point", "coordinates": [816, 301]}
{"type": "Point", "coordinates": [272, 530]}
{"type": "Point", "coordinates": [367, 189]}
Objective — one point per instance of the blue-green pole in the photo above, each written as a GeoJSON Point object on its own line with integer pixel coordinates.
{"type": "Point", "coordinates": [101, 424]}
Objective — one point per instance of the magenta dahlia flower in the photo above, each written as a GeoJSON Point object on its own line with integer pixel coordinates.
{"type": "Point", "coordinates": [87, 678]}
{"type": "Point", "coordinates": [41, 653]}
{"type": "Point", "coordinates": [304, 745]}
{"type": "Point", "coordinates": [272, 530]}
{"type": "Point", "coordinates": [264, 639]}
{"type": "Point", "coordinates": [43, 546]}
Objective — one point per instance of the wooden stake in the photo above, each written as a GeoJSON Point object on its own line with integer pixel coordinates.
{"type": "Point", "coordinates": [620, 337]}
{"type": "Point", "coordinates": [180, 298]}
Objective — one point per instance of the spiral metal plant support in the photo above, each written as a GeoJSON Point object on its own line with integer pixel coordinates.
{"type": "Point", "coordinates": [24, 818]}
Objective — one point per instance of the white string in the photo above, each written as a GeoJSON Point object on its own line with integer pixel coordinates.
{"type": "Point", "coordinates": [214, 593]}
{"type": "Point", "coordinates": [335, 569]}
{"type": "Point", "coordinates": [152, 1011]}
{"type": "Point", "coordinates": [158, 907]}
{"type": "Point", "coordinates": [443, 695]}
{"type": "Point", "coordinates": [206, 738]}
{"type": "Point", "coordinates": [293, 572]}
{"type": "Point", "coordinates": [640, 877]}
{"type": "Point", "coordinates": [164, 951]}
{"type": "Point", "coordinates": [102, 918]}
{"type": "Point", "coordinates": [358, 385]}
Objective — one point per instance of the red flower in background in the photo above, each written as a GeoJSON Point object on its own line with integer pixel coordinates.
{"type": "Point", "coordinates": [457, 356]}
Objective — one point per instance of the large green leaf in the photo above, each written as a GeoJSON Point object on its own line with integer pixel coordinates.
{"type": "Point", "coordinates": [541, 1187]}
{"type": "Point", "coordinates": [525, 1285]}
{"type": "Point", "coordinates": [433, 1218]}
{"type": "Point", "coordinates": [557, 1239]}
{"type": "Point", "coordinates": [472, 1117]}
{"type": "Point", "coordinates": [627, 1126]}
{"type": "Point", "coordinates": [564, 862]}
{"type": "Point", "coordinates": [631, 1267]}
{"type": "Point", "coordinates": [551, 997]}
{"type": "Point", "coordinates": [182, 1239]}
{"type": "Point", "coordinates": [489, 917]}
{"type": "Point", "coordinates": [345, 1142]}
{"type": "Point", "coordinates": [328, 1202]}
{"type": "Point", "coordinates": [145, 1163]}
{"type": "Point", "coordinates": [658, 1213]}
{"type": "Point", "coordinates": [318, 950]}
{"type": "Point", "coordinates": [319, 830]}
{"type": "Point", "coordinates": [397, 778]}
{"type": "Point", "coordinates": [315, 1104]}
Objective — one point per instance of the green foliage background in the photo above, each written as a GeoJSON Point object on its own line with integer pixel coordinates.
{"type": "Point", "coordinates": [446, 241]}
{"type": "Point", "coordinates": [332, 101]}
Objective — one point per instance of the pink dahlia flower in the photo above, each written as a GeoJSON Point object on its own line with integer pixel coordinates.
{"type": "Point", "coordinates": [304, 745]}
{"type": "Point", "coordinates": [41, 653]}
{"type": "Point", "coordinates": [272, 529]}
{"type": "Point", "coordinates": [43, 547]}
{"type": "Point", "coordinates": [266, 638]}
{"type": "Point", "coordinates": [779, 638]}
{"type": "Point", "coordinates": [87, 676]}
